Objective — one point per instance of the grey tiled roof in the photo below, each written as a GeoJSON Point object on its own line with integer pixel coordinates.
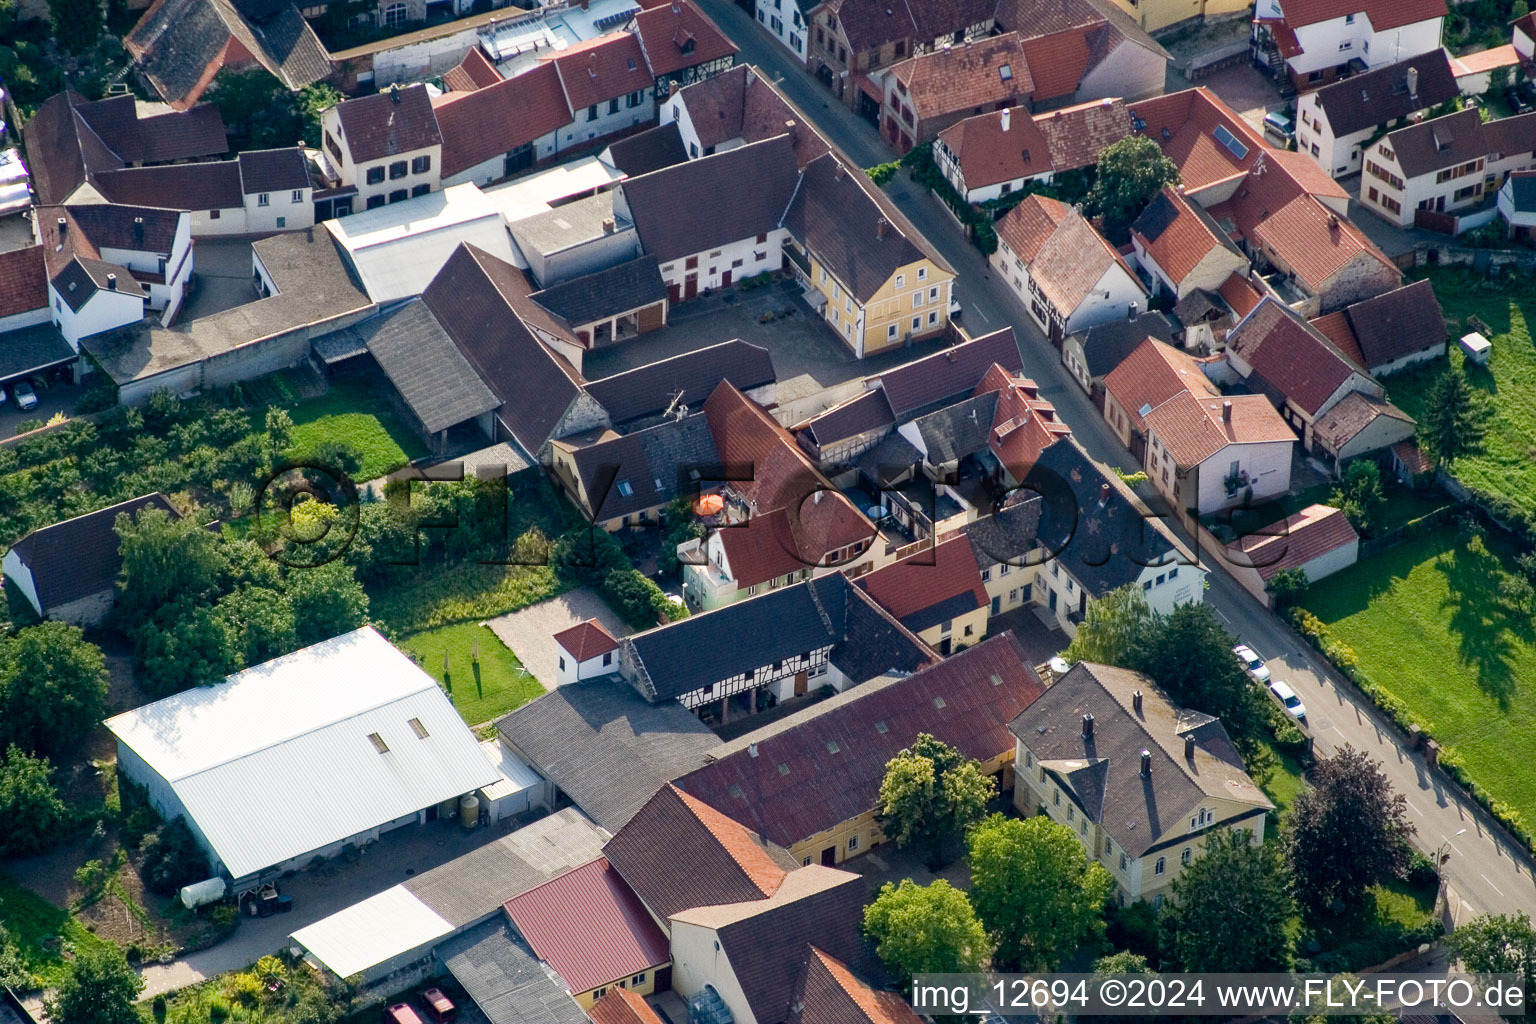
{"type": "Point", "coordinates": [506, 981]}
{"type": "Point", "coordinates": [654, 465]}
{"type": "Point", "coordinates": [959, 430]}
{"type": "Point", "coordinates": [1106, 344]}
{"type": "Point", "coordinates": [649, 150]}
{"type": "Point", "coordinates": [32, 348]}
{"type": "Point", "coordinates": [649, 389]}
{"type": "Point", "coordinates": [426, 367]}
{"type": "Point", "coordinates": [79, 557]}
{"type": "Point", "coordinates": [611, 292]}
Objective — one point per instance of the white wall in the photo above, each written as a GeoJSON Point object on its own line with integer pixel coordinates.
{"type": "Point", "coordinates": [1269, 473]}
{"type": "Point", "coordinates": [294, 213]}
{"type": "Point", "coordinates": [102, 312]}
{"type": "Point", "coordinates": [1321, 43]}
{"type": "Point", "coordinates": [494, 169]}
{"type": "Point", "coordinates": [19, 574]}
{"type": "Point", "coordinates": [697, 961]}
{"type": "Point", "coordinates": [1330, 562]}
{"type": "Point", "coordinates": [585, 130]}
{"type": "Point", "coordinates": [569, 670]}
{"type": "Point", "coordinates": [1123, 289]}
{"type": "Point", "coordinates": [781, 19]}
{"type": "Point", "coordinates": [713, 263]}
{"type": "Point", "coordinates": [1181, 584]}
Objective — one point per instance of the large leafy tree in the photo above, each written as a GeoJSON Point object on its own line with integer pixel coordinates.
{"type": "Point", "coordinates": [1130, 172]}
{"type": "Point", "coordinates": [930, 792]}
{"type": "Point", "coordinates": [28, 803]}
{"type": "Point", "coordinates": [1124, 962]}
{"type": "Point", "coordinates": [1118, 627]}
{"type": "Point", "coordinates": [327, 601]}
{"type": "Point", "coordinates": [77, 24]}
{"type": "Point", "coordinates": [1230, 909]}
{"type": "Point", "coordinates": [1316, 1009]}
{"type": "Point", "coordinates": [1455, 419]}
{"type": "Point", "coordinates": [1348, 832]}
{"type": "Point", "coordinates": [1498, 944]}
{"type": "Point", "coordinates": [99, 989]}
{"type": "Point", "coordinates": [1361, 497]}
{"type": "Point", "coordinates": [165, 561]}
{"type": "Point", "coordinates": [262, 620]}
{"type": "Point", "coordinates": [1192, 660]}
{"type": "Point", "coordinates": [1035, 890]}
{"type": "Point", "coordinates": [53, 689]}
{"type": "Point", "coordinates": [926, 929]}
{"type": "Point", "coordinates": [197, 648]}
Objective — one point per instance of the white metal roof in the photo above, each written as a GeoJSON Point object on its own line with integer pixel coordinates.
{"type": "Point", "coordinates": [536, 193]}
{"type": "Point", "coordinates": [515, 776]}
{"type": "Point", "coordinates": [368, 933]}
{"type": "Point", "coordinates": [277, 760]}
{"type": "Point", "coordinates": [397, 249]}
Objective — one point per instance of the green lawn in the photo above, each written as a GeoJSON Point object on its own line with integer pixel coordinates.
{"type": "Point", "coordinates": [1390, 920]}
{"type": "Point", "coordinates": [350, 413]}
{"type": "Point", "coordinates": [1508, 467]}
{"type": "Point", "coordinates": [1404, 504]}
{"type": "Point", "coordinates": [38, 928]}
{"type": "Point", "coordinates": [1281, 780]}
{"type": "Point", "coordinates": [480, 691]}
{"type": "Point", "coordinates": [1427, 622]}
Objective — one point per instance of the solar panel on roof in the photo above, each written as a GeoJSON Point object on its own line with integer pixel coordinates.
{"type": "Point", "coordinates": [1233, 144]}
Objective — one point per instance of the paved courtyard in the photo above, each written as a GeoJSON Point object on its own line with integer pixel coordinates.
{"type": "Point", "coordinates": [221, 272]}
{"type": "Point", "coordinates": [527, 633]}
{"type": "Point", "coordinates": [1247, 91]}
{"type": "Point", "coordinates": [807, 356]}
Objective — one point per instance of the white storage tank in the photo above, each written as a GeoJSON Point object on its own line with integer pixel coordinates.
{"type": "Point", "coordinates": [209, 890]}
{"type": "Point", "coordinates": [469, 810]}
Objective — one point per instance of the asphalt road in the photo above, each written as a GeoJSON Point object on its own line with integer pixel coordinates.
{"type": "Point", "coordinates": [1486, 873]}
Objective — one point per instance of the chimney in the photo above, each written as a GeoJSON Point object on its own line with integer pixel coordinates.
{"type": "Point", "coordinates": [1189, 746]}
{"type": "Point", "coordinates": [1132, 310]}
{"type": "Point", "coordinates": [837, 170]}
{"type": "Point", "coordinates": [1103, 494]}
{"type": "Point", "coordinates": [1333, 222]}
{"type": "Point", "coordinates": [1136, 701]}
{"type": "Point", "coordinates": [1004, 117]}
{"type": "Point", "coordinates": [138, 231]}
{"type": "Point", "coordinates": [1413, 83]}
{"type": "Point", "coordinates": [394, 92]}
{"type": "Point", "coordinates": [608, 225]}
{"type": "Point", "coordinates": [751, 749]}
{"type": "Point", "coordinates": [1088, 727]}
{"type": "Point", "coordinates": [880, 227]}
{"type": "Point", "coordinates": [1146, 763]}
{"type": "Point", "coordinates": [63, 226]}
{"type": "Point", "coordinates": [111, 282]}
{"type": "Point", "coordinates": [1226, 410]}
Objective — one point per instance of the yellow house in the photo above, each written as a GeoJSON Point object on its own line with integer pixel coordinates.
{"type": "Point", "coordinates": [1154, 15]}
{"type": "Point", "coordinates": [937, 593]}
{"type": "Point", "coordinates": [1143, 784]}
{"type": "Point", "coordinates": [870, 275]}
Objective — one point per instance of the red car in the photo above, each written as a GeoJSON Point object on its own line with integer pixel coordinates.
{"type": "Point", "coordinates": [401, 1013]}
{"type": "Point", "coordinates": [439, 1006]}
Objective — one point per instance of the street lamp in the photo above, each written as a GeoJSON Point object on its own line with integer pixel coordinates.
{"type": "Point", "coordinates": [1443, 854]}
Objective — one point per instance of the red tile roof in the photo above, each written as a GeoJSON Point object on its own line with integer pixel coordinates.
{"type": "Point", "coordinates": [1193, 427]}
{"type": "Point", "coordinates": [1057, 61]}
{"type": "Point", "coordinates": [602, 69]}
{"type": "Point", "coordinates": [1152, 374]}
{"type": "Point", "coordinates": [622, 1006]}
{"type": "Point", "coordinates": [1240, 294]}
{"type": "Point", "coordinates": [679, 35]}
{"type": "Point", "coordinates": [485, 123]}
{"type": "Point", "coordinates": [589, 926]}
{"type": "Point", "coordinates": [1351, 415]}
{"type": "Point", "coordinates": [1335, 327]}
{"type": "Point", "coordinates": [979, 73]}
{"type": "Point", "coordinates": [988, 154]}
{"type": "Point", "coordinates": [1183, 236]}
{"type": "Point", "coordinates": [1408, 453]}
{"type": "Point", "coordinates": [1027, 227]}
{"type": "Point", "coordinates": [762, 549]}
{"type": "Point", "coordinates": [1292, 360]}
{"type": "Point", "coordinates": [944, 577]}
{"type": "Point", "coordinates": [1077, 134]}
{"type": "Point", "coordinates": [1065, 256]}
{"type": "Point", "coordinates": [1184, 123]}
{"type": "Point", "coordinates": [1023, 423]}
{"type": "Point", "coordinates": [1384, 14]}
{"type": "Point", "coordinates": [827, 992]}
{"type": "Point", "coordinates": [475, 71]}
{"type": "Point", "coordinates": [586, 640]}
{"type": "Point", "coordinates": [1296, 540]}
{"type": "Point", "coordinates": [23, 281]}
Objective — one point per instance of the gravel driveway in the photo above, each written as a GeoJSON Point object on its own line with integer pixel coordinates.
{"type": "Point", "coordinates": [529, 632]}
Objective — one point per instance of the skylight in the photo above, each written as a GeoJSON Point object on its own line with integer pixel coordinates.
{"type": "Point", "coordinates": [1233, 144]}
{"type": "Point", "coordinates": [1006, 71]}
{"type": "Point", "coordinates": [626, 489]}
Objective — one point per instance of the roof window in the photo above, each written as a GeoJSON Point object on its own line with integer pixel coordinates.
{"type": "Point", "coordinates": [1234, 145]}
{"type": "Point", "coordinates": [1006, 72]}
{"type": "Point", "coordinates": [736, 792]}
{"type": "Point", "coordinates": [626, 489]}
{"type": "Point", "coordinates": [938, 702]}
{"type": "Point", "coordinates": [378, 743]}
{"type": "Point", "coordinates": [882, 728]}
{"type": "Point", "coordinates": [783, 768]}
{"type": "Point", "coordinates": [419, 729]}
{"type": "Point", "coordinates": [832, 747]}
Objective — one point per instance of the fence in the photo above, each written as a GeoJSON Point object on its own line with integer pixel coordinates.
{"type": "Point", "coordinates": [1409, 530]}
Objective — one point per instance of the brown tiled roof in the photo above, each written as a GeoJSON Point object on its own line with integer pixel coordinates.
{"type": "Point", "coordinates": [648, 151]}
{"type": "Point", "coordinates": [79, 557]}
{"type": "Point", "coordinates": [1384, 14]}
{"type": "Point", "coordinates": [1335, 327]}
{"type": "Point", "coordinates": [1058, 61]}
{"type": "Point", "coordinates": [650, 388]}
{"type": "Point", "coordinates": [589, 926]}
{"type": "Point", "coordinates": [978, 73]}
{"type": "Point", "coordinates": [826, 767]}
{"type": "Point", "coordinates": [1152, 374]}
{"type": "Point", "coordinates": [1352, 414]}
{"type": "Point", "coordinates": [622, 1006]}
{"type": "Point", "coordinates": [930, 586]}
{"type": "Point", "coordinates": [1413, 460]}
{"type": "Point", "coordinates": [1178, 233]}
{"type": "Point", "coordinates": [1438, 143]}
{"type": "Point", "coordinates": [1027, 227]}
{"type": "Point", "coordinates": [1240, 294]}
{"type": "Point", "coordinates": [1381, 95]}
{"type": "Point", "coordinates": [827, 992]}
{"type": "Point", "coordinates": [1032, 18]}
{"type": "Point", "coordinates": [866, 412]}
{"type": "Point", "coordinates": [1023, 423]}
{"type": "Point", "coordinates": [397, 120]}
{"type": "Point", "coordinates": [1296, 540]}
{"type": "Point", "coordinates": [679, 35]}
{"type": "Point", "coordinates": [202, 186]}
{"type": "Point", "coordinates": [586, 640]}
{"type": "Point", "coordinates": [1292, 359]}
{"type": "Point", "coordinates": [679, 853]}
{"type": "Point", "coordinates": [989, 155]}
{"type": "Point", "coordinates": [1073, 259]}
{"type": "Point", "coordinates": [1398, 323]}
{"type": "Point", "coordinates": [476, 126]}
{"type": "Point", "coordinates": [1193, 427]}
{"type": "Point", "coordinates": [762, 549]}
{"type": "Point", "coordinates": [1077, 134]}
{"type": "Point", "coordinates": [1183, 124]}
{"type": "Point", "coordinates": [475, 71]}
{"type": "Point", "coordinates": [1510, 135]}
{"type": "Point", "coordinates": [740, 103]}
{"type": "Point", "coordinates": [23, 281]}
{"type": "Point", "coordinates": [602, 69]}
{"type": "Point", "coordinates": [273, 170]}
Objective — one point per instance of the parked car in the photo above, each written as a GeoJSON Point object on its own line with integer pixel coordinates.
{"type": "Point", "coordinates": [1288, 699]}
{"type": "Point", "coordinates": [26, 398]}
{"type": "Point", "coordinates": [1252, 663]}
{"type": "Point", "coordinates": [1278, 124]}
{"type": "Point", "coordinates": [402, 1013]}
{"type": "Point", "coordinates": [440, 1009]}
{"type": "Point", "coordinates": [3, 396]}
{"type": "Point", "coordinates": [1517, 102]}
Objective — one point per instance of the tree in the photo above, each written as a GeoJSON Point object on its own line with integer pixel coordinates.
{"type": "Point", "coordinates": [1340, 986]}
{"type": "Point", "coordinates": [261, 621]}
{"type": "Point", "coordinates": [13, 973]}
{"type": "Point", "coordinates": [1124, 962]}
{"type": "Point", "coordinates": [327, 601]}
{"type": "Point", "coordinates": [172, 858]}
{"type": "Point", "coordinates": [1230, 909]}
{"type": "Point", "coordinates": [1191, 659]}
{"type": "Point", "coordinates": [926, 929]}
{"type": "Point", "coordinates": [279, 429]}
{"type": "Point", "coordinates": [313, 100]}
{"type": "Point", "coordinates": [77, 24]}
{"type": "Point", "coordinates": [1117, 628]}
{"type": "Point", "coordinates": [53, 690]}
{"type": "Point", "coordinates": [930, 792]}
{"type": "Point", "coordinates": [1498, 944]}
{"type": "Point", "coordinates": [1347, 832]}
{"type": "Point", "coordinates": [1455, 419]}
{"type": "Point", "coordinates": [1360, 496]}
{"type": "Point", "coordinates": [1035, 890]}
{"type": "Point", "coordinates": [1130, 172]}
{"type": "Point", "coordinates": [99, 989]}
{"type": "Point", "coordinates": [27, 796]}
{"type": "Point", "coordinates": [165, 560]}
{"type": "Point", "coordinates": [1288, 585]}
{"type": "Point", "coordinates": [198, 648]}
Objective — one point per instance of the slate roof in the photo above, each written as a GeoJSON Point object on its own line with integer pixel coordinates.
{"type": "Point", "coordinates": [79, 557]}
{"type": "Point", "coordinates": [1398, 323]}
{"type": "Point", "coordinates": [583, 736]}
{"type": "Point", "coordinates": [650, 150]}
{"type": "Point", "coordinates": [1352, 414]}
{"type": "Point", "coordinates": [1010, 533]}
{"type": "Point", "coordinates": [505, 980]}
{"type": "Point", "coordinates": [827, 992]}
{"type": "Point", "coordinates": [836, 216]}
{"type": "Point", "coordinates": [589, 926]}
{"type": "Point", "coordinates": [619, 289]}
{"type": "Point", "coordinates": [598, 70]}
{"type": "Point", "coordinates": [824, 765]}
{"type": "Point", "coordinates": [679, 35]}
{"type": "Point", "coordinates": [273, 170]}
{"type": "Point", "coordinates": [426, 367]}
{"type": "Point", "coordinates": [864, 413]}
{"type": "Point", "coordinates": [1438, 143]}
{"type": "Point", "coordinates": [1103, 546]}
{"type": "Point", "coordinates": [958, 430]}
{"type": "Point", "coordinates": [485, 123]}
{"type": "Point", "coordinates": [929, 587]}
{"type": "Point", "coordinates": [397, 120]}
{"type": "Point", "coordinates": [33, 348]}
{"type": "Point", "coordinates": [977, 73]}
{"type": "Point", "coordinates": [760, 178]}
{"type": "Point", "coordinates": [1291, 359]}
{"type": "Point", "coordinates": [678, 853]}
{"type": "Point", "coordinates": [650, 388]}
{"type": "Point", "coordinates": [1381, 95]}
{"type": "Point", "coordinates": [586, 640]}
{"type": "Point", "coordinates": [1194, 427]}
{"type": "Point", "coordinates": [1177, 233]}
{"type": "Point", "coordinates": [1295, 540]}
{"type": "Point", "coordinates": [474, 298]}
{"type": "Point", "coordinates": [1102, 774]}
{"type": "Point", "coordinates": [924, 384]}
{"type": "Point", "coordinates": [23, 281]}
{"type": "Point", "coordinates": [655, 465]}
{"type": "Point", "coordinates": [1106, 345]}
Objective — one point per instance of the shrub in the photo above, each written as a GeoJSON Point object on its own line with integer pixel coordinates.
{"type": "Point", "coordinates": [245, 988]}
{"type": "Point", "coordinates": [1422, 873]}
{"type": "Point", "coordinates": [172, 858]}
{"type": "Point", "coordinates": [99, 397]}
